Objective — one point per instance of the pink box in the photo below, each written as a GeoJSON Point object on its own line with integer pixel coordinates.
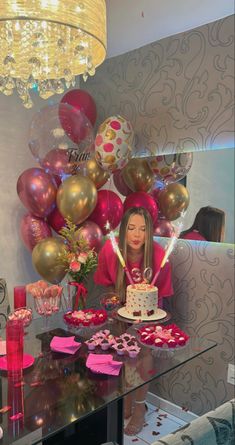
{"type": "Point", "coordinates": [19, 296]}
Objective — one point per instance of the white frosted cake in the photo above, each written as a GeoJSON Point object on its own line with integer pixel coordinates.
{"type": "Point", "coordinates": [141, 300]}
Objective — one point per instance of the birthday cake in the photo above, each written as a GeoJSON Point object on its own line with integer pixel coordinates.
{"type": "Point", "coordinates": [141, 303]}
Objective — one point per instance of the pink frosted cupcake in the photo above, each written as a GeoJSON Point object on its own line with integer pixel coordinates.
{"type": "Point", "coordinates": [104, 344]}
{"type": "Point", "coordinates": [91, 344]}
{"type": "Point", "coordinates": [133, 351]}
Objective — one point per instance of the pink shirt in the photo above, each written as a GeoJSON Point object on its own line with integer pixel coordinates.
{"type": "Point", "coordinates": [194, 235]}
{"type": "Point", "coordinates": [106, 271]}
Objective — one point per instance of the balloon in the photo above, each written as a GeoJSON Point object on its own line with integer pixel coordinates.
{"type": "Point", "coordinates": [56, 220]}
{"type": "Point", "coordinates": [142, 199]}
{"type": "Point", "coordinates": [164, 228]}
{"type": "Point", "coordinates": [120, 184]}
{"type": "Point", "coordinates": [138, 175]}
{"type": "Point", "coordinates": [81, 100]}
{"type": "Point", "coordinates": [76, 198]}
{"type": "Point", "coordinates": [173, 200]}
{"type": "Point", "coordinates": [158, 186]}
{"type": "Point", "coordinates": [113, 143]}
{"type": "Point", "coordinates": [37, 191]}
{"type": "Point", "coordinates": [47, 259]}
{"type": "Point", "coordinates": [93, 170]}
{"type": "Point", "coordinates": [171, 168]}
{"type": "Point", "coordinates": [33, 230]}
{"type": "Point", "coordinates": [52, 147]}
{"type": "Point", "coordinates": [91, 233]}
{"type": "Point", "coordinates": [108, 208]}
{"type": "Point", "coordinates": [58, 162]}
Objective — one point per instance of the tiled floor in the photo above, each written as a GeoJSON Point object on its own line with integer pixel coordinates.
{"type": "Point", "coordinates": [158, 424]}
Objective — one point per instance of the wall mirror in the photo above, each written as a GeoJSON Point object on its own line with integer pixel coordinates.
{"type": "Point", "coordinates": [210, 181]}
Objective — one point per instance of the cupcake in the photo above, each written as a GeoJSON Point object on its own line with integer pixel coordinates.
{"type": "Point", "coordinates": [91, 344]}
{"type": "Point", "coordinates": [104, 344]}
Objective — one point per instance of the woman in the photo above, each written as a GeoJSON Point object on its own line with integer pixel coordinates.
{"type": "Point", "coordinates": [139, 251]}
{"type": "Point", "coordinates": [208, 226]}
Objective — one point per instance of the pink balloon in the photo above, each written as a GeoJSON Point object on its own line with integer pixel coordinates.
{"type": "Point", "coordinates": [82, 102]}
{"type": "Point", "coordinates": [57, 162]}
{"type": "Point", "coordinates": [142, 199]}
{"type": "Point", "coordinates": [164, 228]}
{"type": "Point", "coordinates": [92, 233]}
{"type": "Point", "coordinates": [120, 184]}
{"type": "Point", "coordinates": [33, 230]}
{"type": "Point", "coordinates": [108, 208]}
{"type": "Point", "coordinates": [56, 220]}
{"type": "Point", "coordinates": [37, 191]}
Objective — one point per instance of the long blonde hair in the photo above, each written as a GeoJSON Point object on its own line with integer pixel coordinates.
{"type": "Point", "coordinates": [148, 246]}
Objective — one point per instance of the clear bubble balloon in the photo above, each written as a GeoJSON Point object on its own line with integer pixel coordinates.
{"type": "Point", "coordinates": [52, 146]}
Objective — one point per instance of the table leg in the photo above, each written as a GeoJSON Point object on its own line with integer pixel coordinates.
{"type": "Point", "coordinates": [115, 422]}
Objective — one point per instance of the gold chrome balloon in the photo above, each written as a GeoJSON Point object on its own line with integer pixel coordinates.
{"type": "Point", "coordinates": [96, 173]}
{"type": "Point", "coordinates": [173, 200]}
{"type": "Point", "coordinates": [138, 175]}
{"type": "Point", "coordinates": [76, 198]}
{"type": "Point", "coordinates": [47, 259]}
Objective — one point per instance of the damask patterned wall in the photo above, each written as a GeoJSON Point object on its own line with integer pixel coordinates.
{"type": "Point", "coordinates": [203, 305]}
{"type": "Point", "coordinates": [177, 92]}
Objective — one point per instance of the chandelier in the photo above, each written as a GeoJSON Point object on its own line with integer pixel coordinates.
{"type": "Point", "coordinates": [44, 44]}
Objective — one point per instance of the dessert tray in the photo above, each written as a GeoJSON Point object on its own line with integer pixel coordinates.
{"type": "Point", "coordinates": [168, 337]}
{"type": "Point", "coordinates": [155, 317]}
{"type": "Point", "coordinates": [125, 344]}
{"type": "Point", "coordinates": [85, 318]}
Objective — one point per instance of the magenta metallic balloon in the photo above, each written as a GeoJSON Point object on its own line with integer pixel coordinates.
{"type": "Point", "coordinates": [56, 220]}
{"type": "Point", "coordinates": [92, 233]}
{"type": "Point", "coordinates": [58, 162]}
{"type": "Point", "coordinates": [108, 208]}
{"type": "Point", "coordinates": [164, 228]}
{"type": "Point", "coordinates": [33, 230]}
{"type": "Point", "coordinates": [120, 183]}
{"type": "Point", "coordinates": [142, 199]}
{"type": "Point", "coordinates": [37, 191]}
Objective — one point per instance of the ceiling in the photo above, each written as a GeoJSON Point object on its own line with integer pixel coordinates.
{"type": "Point", "coordinates": [135, 23]}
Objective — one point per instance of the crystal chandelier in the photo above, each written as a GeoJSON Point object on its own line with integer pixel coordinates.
{"type": "Point", "coordinates": [44, 44]}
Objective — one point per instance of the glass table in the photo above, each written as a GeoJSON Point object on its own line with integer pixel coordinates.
{"type": "Point", "coordinates": [62, 401]}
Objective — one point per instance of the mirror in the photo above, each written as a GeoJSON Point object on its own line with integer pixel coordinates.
{"type": "Point", "coordinates": [210, 181]}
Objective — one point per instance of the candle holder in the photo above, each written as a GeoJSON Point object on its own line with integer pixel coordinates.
{"type": "Point", "coordinates": [19, 297]}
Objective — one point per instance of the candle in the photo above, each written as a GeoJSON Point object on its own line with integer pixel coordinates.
{"type": "Point", "coordinates": [19, 297]}
{"type": "Point", "coordinates": [165, 258]}
{"type": "Point", "coordinates": [120, 257]}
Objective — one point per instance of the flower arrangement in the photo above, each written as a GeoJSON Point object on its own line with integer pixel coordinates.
{"type": "Point", "coordinates": [79, 258]}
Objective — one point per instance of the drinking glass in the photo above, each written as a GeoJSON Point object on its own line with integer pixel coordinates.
{"type": "Point", "coordinates": [110, 301]}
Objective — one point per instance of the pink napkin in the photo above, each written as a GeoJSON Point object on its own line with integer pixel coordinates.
{"type": "Point", "coordinates": [103, 364]}
{"type": "Point", "coordinates": [66, 345]}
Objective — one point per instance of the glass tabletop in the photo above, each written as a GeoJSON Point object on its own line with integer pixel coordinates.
{"type": "Point", "coordinates": [58, 389]}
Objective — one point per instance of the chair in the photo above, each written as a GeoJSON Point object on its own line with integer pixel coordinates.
{"type": "Point", "coordinates": [213, 428]}
{"type": "Point", "coordinates": [4, 303]}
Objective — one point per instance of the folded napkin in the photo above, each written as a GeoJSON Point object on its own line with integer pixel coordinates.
{"type": "Point", "coordinates": [66, 345]}
{"type": "Point", "coordinates": [3, 347]}
{"type": "Point", "coordinates": [103, 364]}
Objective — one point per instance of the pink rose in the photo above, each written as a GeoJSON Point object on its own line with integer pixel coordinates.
{"type": "Point", "coordinates": [74, 266]}
{"type": "Point", "coordinates": [83, 257]}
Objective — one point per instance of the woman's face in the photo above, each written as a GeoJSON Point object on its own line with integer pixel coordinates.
{"type": "Point", "coordinates": [135, 234]}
